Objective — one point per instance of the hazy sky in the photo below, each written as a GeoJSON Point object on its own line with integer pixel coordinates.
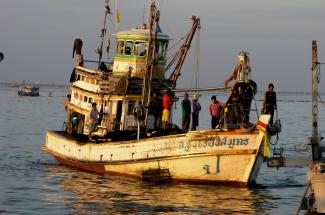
{"type": "Point", "coordinates": [36, 37]}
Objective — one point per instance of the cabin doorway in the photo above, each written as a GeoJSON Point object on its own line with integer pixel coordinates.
{"type": "Point", "coordinates": [118, 115]}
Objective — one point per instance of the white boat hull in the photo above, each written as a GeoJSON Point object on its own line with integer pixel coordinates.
{"type": "Point", "coordinates": [197, 157]}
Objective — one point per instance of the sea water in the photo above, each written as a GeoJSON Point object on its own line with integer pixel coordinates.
{"type": "Point", "coordinates": [32, 182]}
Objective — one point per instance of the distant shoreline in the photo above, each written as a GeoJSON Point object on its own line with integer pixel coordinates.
{"type": "Point", "coordinates": [42, 85]}
{"type": "Point", "coordinates": [67, 85]}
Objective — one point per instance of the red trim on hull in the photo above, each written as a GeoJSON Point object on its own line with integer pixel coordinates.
{"type": "Point", "coordinates": [100, 169]}
{"type": "Point", "coordinates": [262, 124]}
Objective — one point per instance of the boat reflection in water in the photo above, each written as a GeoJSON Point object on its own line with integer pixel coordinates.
{"type": "Point", "coordinates": [91, 194]}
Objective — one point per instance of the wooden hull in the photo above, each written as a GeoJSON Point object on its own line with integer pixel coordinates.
{"type": "Point", "coordinates": [205, 157]}
{"type": "Point", "coordinates": [102, 168]}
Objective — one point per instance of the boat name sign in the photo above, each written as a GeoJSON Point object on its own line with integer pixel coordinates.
{"type": "Point", "coordinates": [199, 144]}
{"type": "Point", "coordinates": [218, 141]}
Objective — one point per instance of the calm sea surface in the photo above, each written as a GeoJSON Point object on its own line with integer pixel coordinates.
{"type": "Point", "coordinates": [32, 182]}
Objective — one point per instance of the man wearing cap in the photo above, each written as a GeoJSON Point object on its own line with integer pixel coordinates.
{"type": "Point", "coordinates": [196, 110]}
{"type": "Point", "coordinates": [186, 113]}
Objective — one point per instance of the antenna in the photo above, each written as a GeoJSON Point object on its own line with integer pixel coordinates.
{"type": "Point", "coordinates": [161, 5]}
{"type": "Point", "coordinates": [144, 11]}
{"type": "Point", "coordinates": [143, 14]}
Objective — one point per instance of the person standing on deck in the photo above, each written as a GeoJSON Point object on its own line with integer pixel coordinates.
{"type": "Point", "coordinates": [103, 67]}
{"type": "Point", "coordinates": [93, 117]}
{"type": "Point", "coordinates": [270, 102]}
{"type": "Point", "coordinates": [186, 113]}
{"type": "Point", "coordinates": [235, 108]}
{"type": "Point", "coordinates": [155, 109]}
{"type": "Point", "coordinates": [196, 110]}
{"type": "Point", "coordinates": [215, 111]}
{"type": "Point", "coordinates": [167, 105]}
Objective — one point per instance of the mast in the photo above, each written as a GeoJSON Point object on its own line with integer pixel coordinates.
{"type": "Point", "coordinates": [153, 19]}
{"type": "Point", "coordinates": [184, 49]}
{"type": "Point", "coordinates": [103, 32]}
{"type": "Point", "coordinates": [316, 153]}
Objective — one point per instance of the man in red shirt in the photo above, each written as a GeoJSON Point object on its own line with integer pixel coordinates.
{"type": "Point", "coordinates": [167, 104]}
{"type": "Point", "coordinates": [215, 110]}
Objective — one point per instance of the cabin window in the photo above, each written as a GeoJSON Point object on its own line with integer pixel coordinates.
{"type": "Point", "coordinates": [128, 47]}
{"type": "Point", "coordinates": [131, 106]}
{"type": "Point", "coordinates": [165, 48]}
{"type": "Point", "coordinates": [159, 48]}
{"type": "Point", "coordinates": [85, 99]}
{"type": "Point", "coordinates": [78, 77]}
{"type": "Point", "coordinates": [90, 100]}
{"type": "Point", "coordinates": [140, 49]}
{"type": "Point", "coordinates": [120, 47]}
{"type": "Point", "coordinates": [83, 78]}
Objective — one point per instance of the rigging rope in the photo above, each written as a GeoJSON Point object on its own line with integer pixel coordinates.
{"type": "Point", "coordinates": [196, 64]}
{"type": "Point", "coordinates": [320, 98]}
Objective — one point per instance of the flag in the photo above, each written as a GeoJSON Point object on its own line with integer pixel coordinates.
{"type": "Point", "coordinates": [118, 17]}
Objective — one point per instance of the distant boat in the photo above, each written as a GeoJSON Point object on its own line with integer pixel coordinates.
{"type": "Point", "coordinates": [28, 91]}
{"type": "Point", "coordinates": [14, 85]}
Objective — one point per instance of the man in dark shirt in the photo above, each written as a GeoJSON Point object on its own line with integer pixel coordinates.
{"type": "Point", "coordinates": [270, 102]}
{"type": "Point", "coordinates": [155, 109]}
{"type": "Point", "coordinates": [103, 67]}
{"type": "Point", "coordinates": [235, 105]}
{"type": "Point", "coordinates": [186, 113]}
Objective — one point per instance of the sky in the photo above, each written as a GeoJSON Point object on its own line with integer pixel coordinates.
{"type": "Point", "coordinates": [36, 37]}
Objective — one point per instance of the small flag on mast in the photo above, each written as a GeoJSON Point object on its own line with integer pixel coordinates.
{"type": "Point", "coordinates": [118, 17]}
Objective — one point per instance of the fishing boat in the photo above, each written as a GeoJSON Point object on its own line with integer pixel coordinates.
{"type": "Point", "coordinates": [28, 91]}
{"type": "Point", "coordinates": [126, 142]}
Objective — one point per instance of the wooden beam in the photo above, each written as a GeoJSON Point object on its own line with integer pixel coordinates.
{"type": "Point", "coordinates": [199, 89]}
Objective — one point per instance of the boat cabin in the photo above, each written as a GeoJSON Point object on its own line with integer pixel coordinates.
{"type": "Point", "coordinates": [131, 53]}
{"type": "Point", "coordinates": [118, 90]}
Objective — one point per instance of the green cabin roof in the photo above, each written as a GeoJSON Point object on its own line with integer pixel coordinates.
{"type": "Point", "coordinates": [140, 34]}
